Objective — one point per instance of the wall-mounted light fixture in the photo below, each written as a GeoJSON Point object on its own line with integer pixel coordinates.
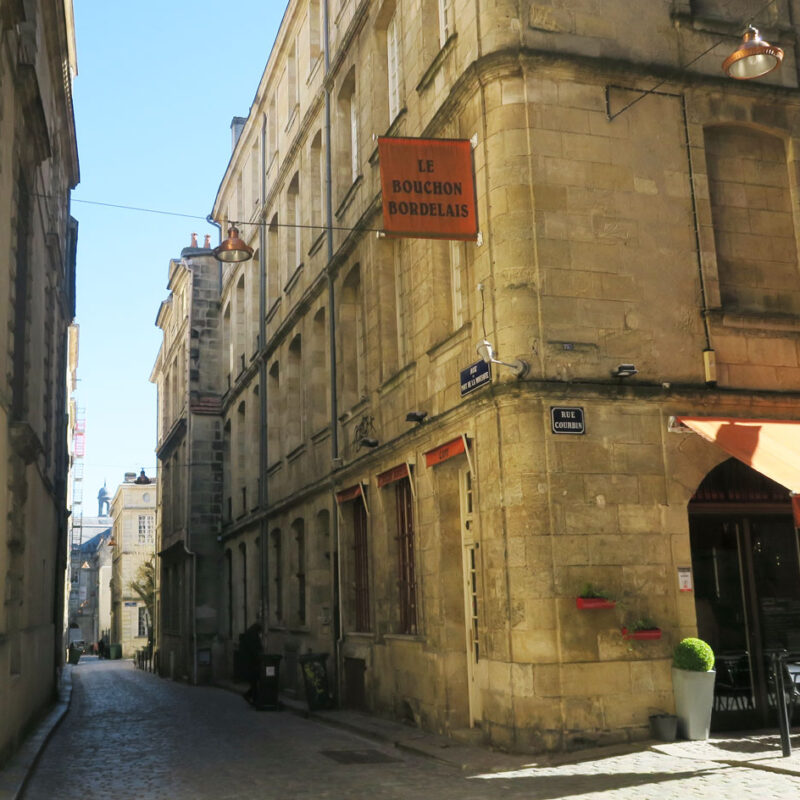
{"type": "Point", "coordinates": [753, 58]}
{"type": "Point", "coordinates": [624, 371]}
{"type": "Point", "coordinates": [233, 249]}
{"type": "Point", "coordinates": [416, 416]}
{"type": "Point", "coordinates": [486, 352]}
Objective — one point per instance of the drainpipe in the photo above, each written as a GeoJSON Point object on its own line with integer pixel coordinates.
{"type": "Point", "coordinates": [338, 627]}
{"type": "Point", "coordinates": [211, 221]}
{"type": "Point", "coordinates": [263, 494]}
{"type": "Point", "coordinates": [187, 494]}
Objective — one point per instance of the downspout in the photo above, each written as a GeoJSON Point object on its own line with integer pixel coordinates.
{"type": "Point", "coordinates": [338, 626]}
{"type": "Point", "coordinates": [211, 221]}
{"type": "Point", "coordinates": [187, 492]}
{"type": "Point", "coordinates": [263, 494]}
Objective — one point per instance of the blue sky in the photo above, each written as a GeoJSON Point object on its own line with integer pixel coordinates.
{"type": "Point", "coordinates": [157, 87]}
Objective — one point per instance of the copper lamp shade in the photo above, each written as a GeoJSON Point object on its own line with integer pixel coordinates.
{"type": "Point", "coordinates": [753, 58]}
{"type": "Point", "coordinates": [233, 249]}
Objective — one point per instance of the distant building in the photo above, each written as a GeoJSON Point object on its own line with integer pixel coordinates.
{"type": "Point", "coordinates": [91, 575]}
{"type": "Point", "coordinates": [38, 237]}
{"type": "Point", "coordinates": [133, 511]}
{"type": "Point", "coordinates": [190, 443]}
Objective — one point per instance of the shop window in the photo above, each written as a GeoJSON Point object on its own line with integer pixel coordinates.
{"type": "Point", "coordinates": [407, 582]}
{"type": "Point", "coordinates": [360, 567]}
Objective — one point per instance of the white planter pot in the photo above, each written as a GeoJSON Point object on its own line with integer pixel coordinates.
{"type": "Point", "coordinates": [694, 699]}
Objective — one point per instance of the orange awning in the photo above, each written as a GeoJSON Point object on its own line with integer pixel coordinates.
{"type": "Point", "coordinates": [771, 446]}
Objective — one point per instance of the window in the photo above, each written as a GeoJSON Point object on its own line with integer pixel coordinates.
{"type": "Point", "coordinates": [277, 573]}
{"type": "Point", "coordinates": [393, 67]}
{"type": "Point", "coordinates": [294, 389]}
{"type": "Point", "coordinates": [144, 621]}
{"type": "Point", "coordinates": [319, 392]}
{"type": "Point", "coordinates": [240, 460]}
{"type": "Point", "coordinates": [317, 184]}
{"type": "Point", "coordinates": [353, 136]}
{"type": "Point", "coordinates": [446, 21]}
{"type": "Point", "coordinates": [347, 136]}
{"type": "Point", "coordinates": [273, 262]}
{"type": "Point", "coordinates": [146, 529]}
{"type": "Point", "coordinates": [294, 237]}
{"type": "Point", "coordinates": [291, 83]}
{"type": "Point", "coordinates": [361, 566]}
{"type": "Point", "coordinates": [314, 32]}
{"type": "Point", "coordinates": [229, 581]}
{"type": "Point", "coordinates": [274, 414]}
{"type": "Point", "coordinates": [243, 557]}
{"type": "Point", "coordinates": [457, 251]}
{"type": "Point", "coordinates": [272, 131]}
{"type": "Point", "coordinates": [298, 527]}
{"type": "Point", "coordinates": [351, 327]}
{"type": "Point", "coordinates": [405, 550]}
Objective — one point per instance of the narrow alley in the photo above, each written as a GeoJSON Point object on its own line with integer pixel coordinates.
{"type": "Point", "coordinates": [131, 734]}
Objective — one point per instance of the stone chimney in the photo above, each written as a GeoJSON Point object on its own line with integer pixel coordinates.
{"type": "Point", "coordinates": [237, 126]}
{"type": "Point", "coordinates": [194, 240]}
{"type": "Point", "coordinates": [207, 241]}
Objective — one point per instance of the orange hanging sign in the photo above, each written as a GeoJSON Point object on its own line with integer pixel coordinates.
{"type": "Point", "coordinates": [428, 188]}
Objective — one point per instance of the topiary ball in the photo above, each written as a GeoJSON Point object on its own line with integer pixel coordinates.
{"type": "Point", "coordinates": [693, 655]}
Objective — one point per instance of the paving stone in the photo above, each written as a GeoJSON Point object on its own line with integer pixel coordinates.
{"type": "Point", "coordinates": [131, 734]}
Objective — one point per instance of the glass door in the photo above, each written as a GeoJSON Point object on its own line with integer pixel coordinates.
{"type": "Point", "coordinates": [747, 598]}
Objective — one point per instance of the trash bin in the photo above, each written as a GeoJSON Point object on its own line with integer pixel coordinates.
{"type": "Point", "coordinates": [664, 727]}
{"type": "Point", "coordinates": [266, 696]}
{"type": "Point", "coordinates": [315, 678]}
{"type": "Point", "coordinates": [74, 654]}
{"type": "Point", "coordinates": [115, 651]}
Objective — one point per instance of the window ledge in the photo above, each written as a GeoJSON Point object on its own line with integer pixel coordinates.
{"type": "Point", "coordinates": [314, 69]}
{"type": "Point", "coordinates": [396, 379]}
{"type": "Point", "coordinates": [275, 467]}
{"type": "Point", "coordinates": [456, 337]}
{"type": "Point", "coordinates": [295, 276]}
{"type": "Point", "coordinates": [292, 117]}
{"type": "Point", "coordinates": [317, 243]}
{"type": "Point", "coordinates": [297, 452]}
{"type": "Point", "coordinates": [427, 79]}
{"type": "Point", "coordinates": [321, 435]}
{"type": "Point", "coordinates": [390, 131]}
{"type": "Point", "coordinates": [404, 637]}
{"type": "Point", "coordinates": [273, 310]}
{"type": "Point", "coordinates": [349, 196]}
{"type": "Point", "coordinates": [755, 321]}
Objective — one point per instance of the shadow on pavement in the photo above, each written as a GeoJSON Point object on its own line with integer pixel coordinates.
{"type": "Point", "coordinates": [550, 787]}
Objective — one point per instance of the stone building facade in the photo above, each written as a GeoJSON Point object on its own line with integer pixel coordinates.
{"type": "Point", "coordinates": [38, 168]}
{"type": "Point", "coordinates": [190, 470]}
{"type": "Point", "coordinates": [133, 540]}
{"type": "Point", "coordinates": [640, 257]}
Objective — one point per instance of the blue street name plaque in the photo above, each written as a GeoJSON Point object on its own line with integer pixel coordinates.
{"type": "Point", "coordinates": [567, 419]}
{"type": "Point", "coordinates": [475, 376]}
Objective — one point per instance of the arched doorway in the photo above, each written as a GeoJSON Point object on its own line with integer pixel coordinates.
{"type": "Point", "coordinates": [747, 586]}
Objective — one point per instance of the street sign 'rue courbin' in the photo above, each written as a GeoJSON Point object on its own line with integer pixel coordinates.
{"type": "Point", "coordinates": [567, 419]}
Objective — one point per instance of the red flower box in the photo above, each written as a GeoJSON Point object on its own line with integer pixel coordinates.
{"type": "Point", "coordinates": [652, 633]}
{"type": "Point", "coordinates": [594, 602]}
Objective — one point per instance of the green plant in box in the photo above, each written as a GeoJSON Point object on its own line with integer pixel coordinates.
{"type": "Point", "coordinates": [693, 655]}
{"type": "Point", "coordinates": [590, 591]}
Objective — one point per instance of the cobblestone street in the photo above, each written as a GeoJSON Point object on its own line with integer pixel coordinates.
{"type": "Point", "coordinates": [130, 734]}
